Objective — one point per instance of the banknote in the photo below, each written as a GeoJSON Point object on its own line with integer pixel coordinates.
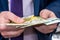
{"type": "Point", "coordinates": [34, 20]}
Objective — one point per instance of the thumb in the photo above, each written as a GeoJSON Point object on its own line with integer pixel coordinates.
{"type": "Point", "coordinates": [13, 17]}
{"type": "Point", "coordinates": [44, 14]}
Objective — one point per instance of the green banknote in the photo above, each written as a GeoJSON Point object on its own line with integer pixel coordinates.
{"type": "Point", "coordinates": [34, 20]}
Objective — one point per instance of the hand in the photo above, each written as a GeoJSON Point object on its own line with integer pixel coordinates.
{"type": "Point", "coordinates": [8, 32]}
{"type": "Point", "coordinates": [45, 14]}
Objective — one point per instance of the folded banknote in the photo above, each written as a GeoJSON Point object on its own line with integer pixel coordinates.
{"type": "Point", "coordinates": [34, 20]}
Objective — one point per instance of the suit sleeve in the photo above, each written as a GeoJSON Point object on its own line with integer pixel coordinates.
{"type": "Point", "coordinates": [55, 7]}
{"type": "Point", "coordinates": [3, 5]}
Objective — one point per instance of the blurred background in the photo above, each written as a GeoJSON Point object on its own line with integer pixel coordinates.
{"type": "Point", "coordinates": [56, 36]}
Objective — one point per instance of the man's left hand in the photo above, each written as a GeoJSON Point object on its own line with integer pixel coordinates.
{"type": "Point", "coordinates": [45, 14]}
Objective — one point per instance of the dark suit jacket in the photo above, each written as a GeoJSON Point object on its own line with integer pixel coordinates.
{"type": "Point", "coordinates": [53, 5]}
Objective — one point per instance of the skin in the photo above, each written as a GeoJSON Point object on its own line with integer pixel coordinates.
{"type": "Point", "coordinates": [45, 14]}
{"type": "Point", "coordinates": [9, 32]}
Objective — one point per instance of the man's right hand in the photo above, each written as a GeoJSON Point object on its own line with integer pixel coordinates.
{"type": "Point", "coordinates": [8, 32]}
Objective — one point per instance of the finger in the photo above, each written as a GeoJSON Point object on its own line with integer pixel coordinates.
{"type": "Point", "coordinates": [46, 29]}
{"type": "Point", "coordinates": [5, 16]}
{"type": "Point", "coordinates": [15, 18]}
{"type": "Point", "coordinates": [8, 28]}
{"type": "Point", "coordinates": [3, 21]}
{"type": "Point", "coordinates": [52, 27]}
{"type": "Point", "coordinates": [52, 15]}
{"type": "Point", "coordinates": [44, 14]}
{"type": "Point", "coordinates": [4, 27]}
{"type": "Point", "coordinates": [12, 17]}
{"type": "Point", "coordinates": [9, 34]}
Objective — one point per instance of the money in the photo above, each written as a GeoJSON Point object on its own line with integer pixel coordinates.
{"type": "Point", "coordinates": [52, 21]}
{"type": "Point", "coordinates": [35, 20]}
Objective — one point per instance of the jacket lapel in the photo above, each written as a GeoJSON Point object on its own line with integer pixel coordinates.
{"type": "Point", "coordinates": [36, 7]}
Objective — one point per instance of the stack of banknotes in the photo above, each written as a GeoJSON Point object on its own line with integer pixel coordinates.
{"type": "Point", "coordinates": [35, 20]}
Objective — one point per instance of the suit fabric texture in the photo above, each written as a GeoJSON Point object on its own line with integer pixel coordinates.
{"type": "Point", "coordinates": [53, 5]}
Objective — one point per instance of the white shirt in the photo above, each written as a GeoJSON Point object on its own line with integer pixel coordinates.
{"type": "Point", "coordinates": [28, 9]}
